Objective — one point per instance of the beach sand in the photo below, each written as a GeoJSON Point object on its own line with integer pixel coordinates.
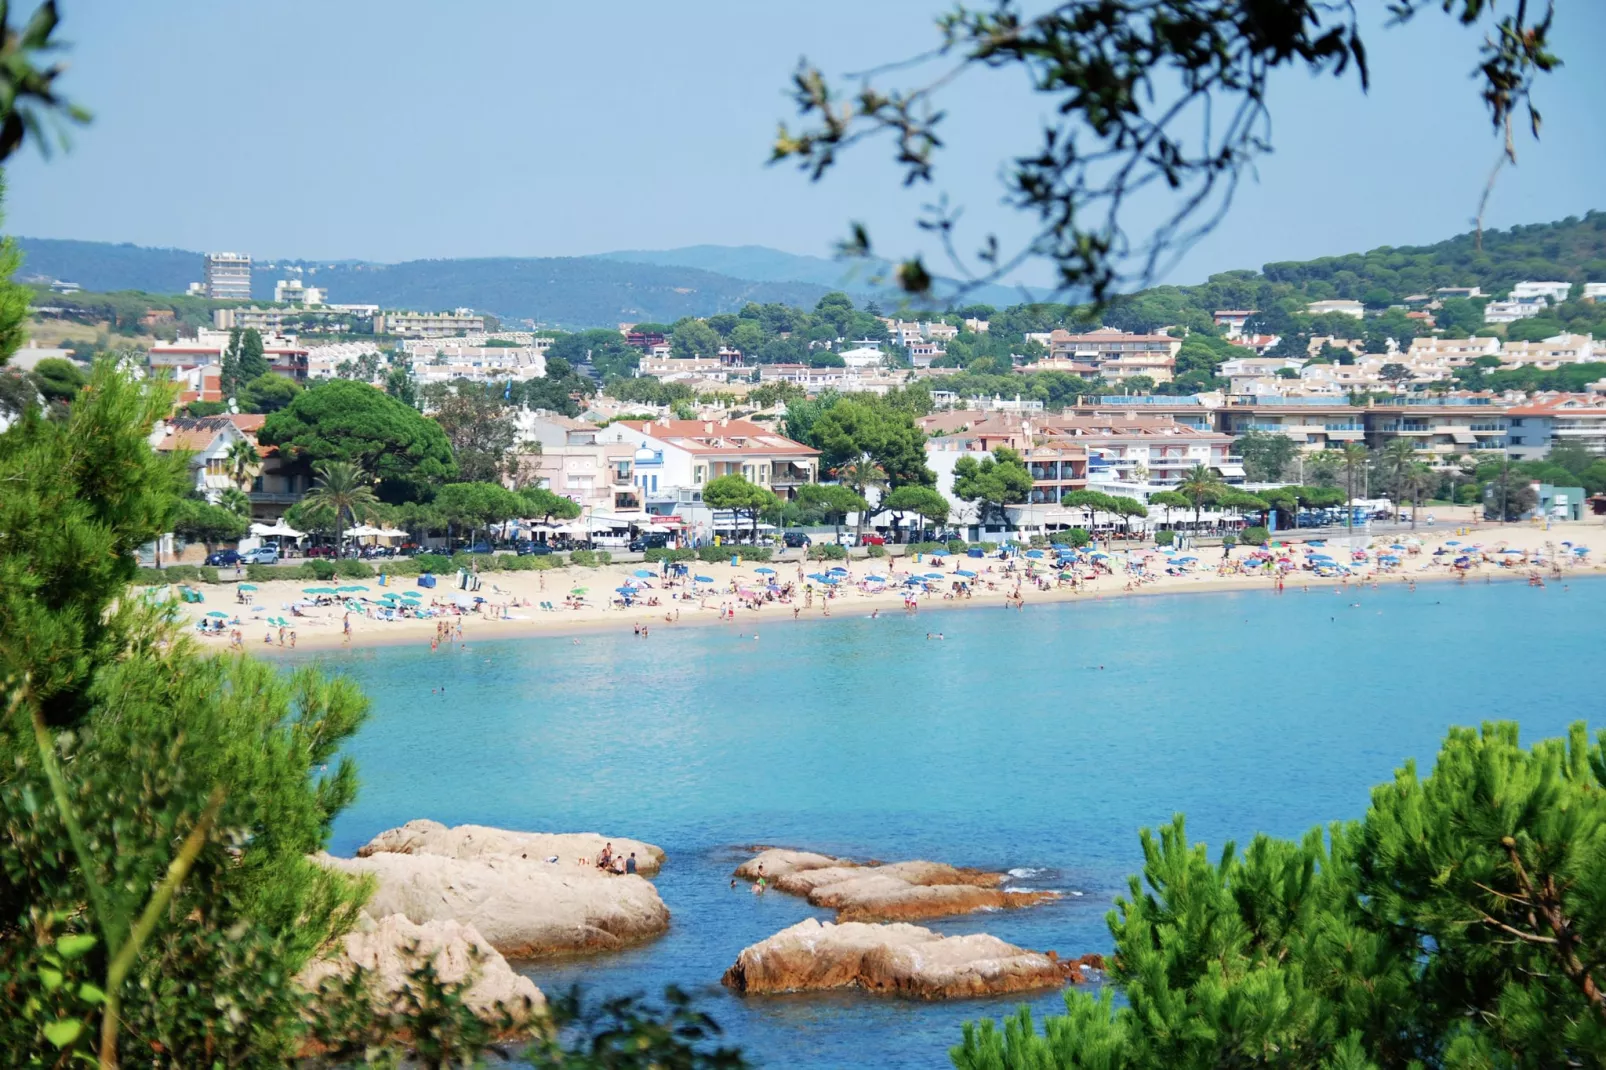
{"type": "Point", "coordinates": [511, 608]}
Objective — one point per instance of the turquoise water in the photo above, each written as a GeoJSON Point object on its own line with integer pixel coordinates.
{"type": "Point", "coordinates": [1005, 745]}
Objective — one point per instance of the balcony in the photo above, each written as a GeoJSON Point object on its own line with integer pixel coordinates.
{"type": "Point", "coordinates": [275, 497]}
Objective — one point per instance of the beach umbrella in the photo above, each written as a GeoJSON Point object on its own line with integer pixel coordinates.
{"type": "Point", "coordinates": [1518, 553]}
{"type": "Point", "coordinates": [1034, 553]}
{"type": "Point", "coordinates": [1396, 546]}
{"type": "Point", "coordinates": [965, 572]}
{"type": "Point", "coordinates": [350, 589]}
{"type": "Point", "coordinates": [1580, 550]}
{"type": "Point", "coordinates": [248, 586]}
{"type": "Point", "coordinates": [217, 613]}
{"type": "Point", "coordinates": [1452, 542]}
{"type": "Point", "coordinates": [645, 574]}
{"type": "Point", "coordinates": [317, 590]}
{"type": "Point", "coordinates": [761, 571]}
{"type": "Point", "coordinates": [869, 579]}
{"type": "Point", "coordinates": [1098, 553]}
{"type": "Point", "coordinates": [703, 579]}
{"type": "Point", "coordinates": [934, 576]}
{"type": "Point", "coordinates": [1185, 560]}
{"type": "Point", "coordinates": [837, 568]}
{"type": "Point", "coordinates": [627, 591]}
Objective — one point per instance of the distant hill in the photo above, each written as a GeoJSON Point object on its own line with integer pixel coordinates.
{"type": "Point", "coordinates": [1571, 250]}
{"type": "Point", "coordinates": [772, 265]}
{"type": "Point", "coordinates": [564, 291]}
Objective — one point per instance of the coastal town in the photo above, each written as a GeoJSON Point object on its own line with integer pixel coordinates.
{"type": "Point", "coordinates": [510, 558]}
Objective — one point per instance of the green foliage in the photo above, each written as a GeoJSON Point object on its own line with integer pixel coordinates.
{"type": "Point", "coordinates": [267, 393]}
{"type": "Point", "coordinates": [828, 551]}
{"type": "Point", "coordinates": [1266, 455]}
{"type": "Point", "coordinates": [957, 546]}
{"type": "Point", "coordinates": [352, 569]}
{"type": "Point", "coordinates": [58, 380]}
{"type": "Point", "coordinates": [474, 506]}
{"type": "Point", "coordinates": [1165, 538]}
{"type": "Point", "coordinates": [993, 482]}
{"type": "Point", "coordinates": [478, 426]}
{"type": "Point", "coordinates": [831, 501]}
{"type": "Point", "coordinates": [876, 551]}
{"type": "Point", "coordinates": [1080, 537]}
{"type": "Point", "coordinates": [854, 428]}
{"type": "Point", "coordinates": [1255, 536]}
{"type": "Point", "coordinates": [198, 521]}
{"type": "Point", "coordinates": [321, 568]}
{"type": "Point", "coordinates": [547, 505]}
{"type": "Point", "coordinates": [1457, 925]}
{"type": "Point", "coordinates": [669, 553]}
{"type": "Point", "coordinates": [436, 563]}
{"type": "Point", "coordinates": [585, 558]}
{"type": "Point", "coordinates": [350, 422]}
{"type": "Point", "coordinates": [739, 496]}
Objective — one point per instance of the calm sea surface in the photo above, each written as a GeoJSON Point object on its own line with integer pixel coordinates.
{"type": "Point", "coordinates": [1037, 741]}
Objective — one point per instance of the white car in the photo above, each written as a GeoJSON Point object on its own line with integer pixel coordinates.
{"type": "Point", "coordinates": [847, 538]}
{"type": "Point", "coordinates": [262, 555]}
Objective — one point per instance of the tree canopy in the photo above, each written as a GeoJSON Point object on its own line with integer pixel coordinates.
{"type": "Point", "coordinates": [739, 496]}
{"type": "Point", "coordinates": [341, 420]}
{"type": "Point", "coordinates": [993, 482]}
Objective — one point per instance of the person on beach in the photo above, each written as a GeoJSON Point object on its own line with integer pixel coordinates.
{"type": "Point", "coordinates": [292, 638]}
{"type": "Point", "coordinates": [630, 863]}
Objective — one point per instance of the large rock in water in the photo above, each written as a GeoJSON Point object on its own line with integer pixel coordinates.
{"type": "Point", "coordinates": [392, 947]}
{"type": "Point", "coordinates": [899, 891]}
{"type": "Point", "coordinates": [897, 959]}
{"type": "Point", "coordinates": [577, 849]}
{"type": "Point", "coordinates": [524, 909]}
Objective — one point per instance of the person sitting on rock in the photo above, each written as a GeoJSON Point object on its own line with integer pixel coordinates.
{"type": "Point", "coordinates": [630, 863]}
{"type": "Point", "coordinates": [606, 857]}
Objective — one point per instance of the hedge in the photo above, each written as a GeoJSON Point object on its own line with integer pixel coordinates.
{"type": "Point", "coordinates": [925, 547]}
{"type": "Point", "coordinates": [666, 553]}
{"type": "Point", "coordinates": [436, 563]}
{"type": "Point", "coordinates": [877, 551]}
{"type": "Point", "coordinates": [153, 577]}
{"type": "Point", "coordinates": [828, 551]}
{"type": "Point", "coordinates": [586, 558]}
{"type": "Point", "coordinates": [957, 546]}
{"type": "Point", "coordinates": [351, 568]}
{"type": "Point", "coordinates": [400, 566]}
{"type": "Point", "coordinates": [1255, 536]}
{"type": "Point", "coordinates": [1164, 538]}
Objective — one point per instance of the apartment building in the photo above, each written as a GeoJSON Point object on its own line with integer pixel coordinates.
{"type": "Point", "coordinates": [1233, 320]}
{"type": "Point", "coordinates": [599, 476]}
{"type": "Point", "coordinates": [1314, 424]}
{"type": "Point", "coordinates": [295, 292]}
{"type": "Point", "coordinates": [428, 324]}
{"type": "Point", "coordinates": [1513, 310]}
{"type": "Point", "coordinates": [1117, 355]}
{"type": "Point", "coordinates": [690, 453]}
{"type": "Point", "coordinates": [1440, 427]}
{"type": "Point", "coordinates": [1551, 353]}
{"type": "Point", "coordinates": [1452, 352]}
{"type": "Point", "coordinates": [285, 356]}
{"type": "Point", "coordinates": [1559, 420]}
{"type": "Point", "coordinates": [228, 277]}
{"type": "Point", "coordinates": [1555, 292]}
{"type": "Point", "coordinates": [1341, 308]}
{"type": "Point", "coordinates": [479, 363]}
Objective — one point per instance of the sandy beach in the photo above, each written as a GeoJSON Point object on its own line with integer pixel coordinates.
{"type": "Point", "coordinates": [512, 601]}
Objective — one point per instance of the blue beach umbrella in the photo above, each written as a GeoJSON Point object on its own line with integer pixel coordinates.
{"type": "Point", "coordinates": [1185, 560]}
{"type": "Point", "coordinates": [248, 586]}
{"type": "Point", "coordinates": [965, 572]}
{"type": "Point", "coordinates": [704, 579]}
{"type": "Point", "coordinates": [1396, 546]}
{"type": "Point", "coordinates": [626, 590]}
{"type": "Point", "coordinates": [837, 568]}
{"type": "Point", "coordinates": [1034, 553]}
{"type": "Point", "coordinates": [870, 579]}
{"type": "Point", "coordinates": [760, 571]}
{"type": "Point", "coordinates": [1452, 542]}
{"type": "Point", "coordinates": [218, 613]}
{"type": "Point", "coordinates": [645, 573]}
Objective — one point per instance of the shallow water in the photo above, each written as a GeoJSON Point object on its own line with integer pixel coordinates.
{"type": "Point", "coordinates": [1038, 741]}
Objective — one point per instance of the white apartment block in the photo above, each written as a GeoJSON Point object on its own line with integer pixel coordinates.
{"type": "Point", "coordinates": [1512, 311]}
{"type": "Point", "coordinates": [1555, 291]}
{"type": "Point", "coordinates": [1343, 308]}
{"type": "Point", "coordinates": [228, 277]}
{"type": "Point", "coordinates": [1594, 291]}
{"type": "Point", "coordinates": [1551, 353]}
{"type": "Point", "coordinates": [429, 324]}
{"type": "Point", "coordinates": [478, 363]}
{"type": "Point", "coordinates": [295, 292]}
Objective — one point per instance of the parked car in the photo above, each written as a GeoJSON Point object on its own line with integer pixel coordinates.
{"type": "Point", "coordinates": [653, 540]}
{"type": "Point", "coordinates": [796, 540]}
{"type": "Point", "coordinates": [378, 551]}
{"type": "Point", "coordinates": [872, 539]}
{"type": "Point", "coordinates": [320, 551]}
{"type": "Point", "coordinates": [530, 548]}
{"type": "Point", "coordinates": [481, 548]}
{"type": "Point", "coordinates": [223, 559]}
{"type": "Point", "coordinates": [262, 555]}
{"type": "Point", "coordinates": [847, 538]}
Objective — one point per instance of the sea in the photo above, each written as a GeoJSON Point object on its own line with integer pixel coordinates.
{"type": "Point", "coordinates": [1037, 741]}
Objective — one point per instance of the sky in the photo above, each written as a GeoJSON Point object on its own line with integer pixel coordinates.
{"type": "Point", "coordinates": [398, 129]}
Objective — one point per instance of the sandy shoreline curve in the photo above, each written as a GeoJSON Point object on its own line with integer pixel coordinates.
{"type": "Point", "coordinates": [512, 610]}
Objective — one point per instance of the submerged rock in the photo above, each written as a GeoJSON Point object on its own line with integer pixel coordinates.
{"type": "Point", "coordinates": [524, 909]}
{"type": "Point", "coordinates": [898, 891]}
{"type": "Point", "coordinates": [571, 849]}
{"type": "Point", "coordinates": [895, 959]}
{"type": "Point", "coordinates": [391, 947]}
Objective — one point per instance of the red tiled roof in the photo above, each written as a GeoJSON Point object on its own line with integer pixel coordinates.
{"type": "Point", "coordinates": [719, 436]}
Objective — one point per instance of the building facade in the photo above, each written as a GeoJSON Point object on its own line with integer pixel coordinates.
{"type": "Point", "coordinates": [228, 277]}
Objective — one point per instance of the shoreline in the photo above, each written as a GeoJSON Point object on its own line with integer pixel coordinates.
{"type": "Point", "coordinates": [321, 629]}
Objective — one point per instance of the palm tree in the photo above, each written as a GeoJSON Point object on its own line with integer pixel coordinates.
{"type": "Point", "coordinates": [236, 501]}
{"type": "Point", "coordinates": [861, 476]}
{"type": "Point", "coordinates": [1354, 457]}
{"type": "Point", "coordinates": [345, 490]}
{"type": "Point", "coordinates": [1199, 484]}
{"type": "Point", "coordinates": [242, 458]}
{"type": "Point", "coordinates": [1398, 457]}
{"type": "Point", "coordinates": [1419, 479]}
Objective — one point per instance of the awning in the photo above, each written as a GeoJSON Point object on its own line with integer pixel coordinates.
{"type": "Point", "coordinates": [363, 531]}
{"type": "Point", "coordinates": [1230, 469]}
{"type": "Point", "coordinates": [1465, 437]}
{"type": "Point", "coordinates": [278, 527]}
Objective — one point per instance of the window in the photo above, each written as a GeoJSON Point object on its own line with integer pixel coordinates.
{"type": "Point", "coordinates": [700, 475]}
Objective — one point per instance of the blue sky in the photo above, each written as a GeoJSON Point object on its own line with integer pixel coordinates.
{"type": "Point", "coordinates": [395, 129]}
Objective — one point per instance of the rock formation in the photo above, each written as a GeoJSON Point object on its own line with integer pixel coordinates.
{"type": "Point", "coordinates": [899, 891]}
{"type": "Point", "coordinates": [392, 947]}
{"type": "Point", "coordinates": [523, 908]}
{"type": "Point", "coordinates": [477, 841]}
{"type": "Point", "coordinates": [895, 959]}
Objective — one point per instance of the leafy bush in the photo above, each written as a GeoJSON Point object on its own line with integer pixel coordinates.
{"type": "Point", "coordinates": [353, 569]}
{"type": "Point", "coordinates": [878, 551]}
{"type": "Point", "coordinates": [667, 553]}
{"type": "Point", "coordinates": [321, 568]}
{"type": "Point", "coordinates": [1164, 538]}
{"type": "Point", "coordinates": [436, 563]}
{"type": "Point", "coordinates": [925, 547]}
{"type": "Point", "coordinates": [150, 576]}
{"type": "Point", "coordinates": [957, 546]}
{"type": "Point", "coordinates": [714, 553]}
{"type": "Point", "coordinates": [756, 553]}
{"type": "Point", "coordinates": [584, 558]}
{"type": "Point", "coordinates": [1078, 537]}
{"type": "Point", "coordinates": [828, 551]}
{"type": "Point", "coordinates": [400, 566]}
{"type": "Point", "coordinates": [183, 574]}
{"type": "Point", "coordinates": [207, 573]}
{"type": "Point", "coordinates": [604, 557]}
{"type": "Point", "coordinates": [1229, 539]}
{"type": "Point", "coordinates": [1255, 536]}
{"type": "Point", "coordinates": [541, 564]}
